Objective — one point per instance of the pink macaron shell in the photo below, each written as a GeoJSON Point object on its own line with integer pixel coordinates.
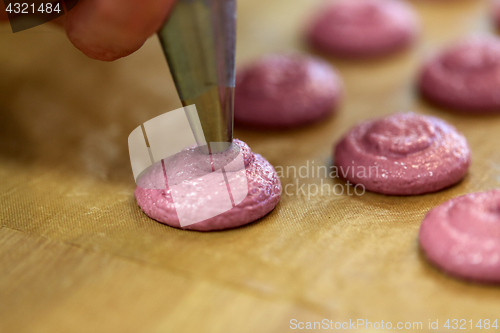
{"type": "Point", "coordinates": [462, 236]}
{"type": "Point", "coordinates": [496, 13]}
{"type": "Point", "coordinates": [465, 77]}
{"type": "Point", "coordinates": [403, 154]}
{"type": "Point", "coordinates": [363, 28]}
{"type": "Point", "coordinates": [285, 90]}
{"type": "Point", "coordinates": [264, 190]}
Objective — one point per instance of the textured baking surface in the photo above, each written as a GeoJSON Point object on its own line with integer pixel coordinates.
{"type": "Point", "coordinates": [77, 254]}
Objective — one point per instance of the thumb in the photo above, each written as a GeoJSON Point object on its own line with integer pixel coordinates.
{"type": "Point", "coordinates": [111, 29]}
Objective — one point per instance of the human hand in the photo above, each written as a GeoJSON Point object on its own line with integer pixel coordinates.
{"type": "Point", "coordinates": [110, 29]}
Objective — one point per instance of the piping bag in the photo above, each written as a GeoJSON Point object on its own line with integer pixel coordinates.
{"type": "Point", "coordinates": [199, 41]}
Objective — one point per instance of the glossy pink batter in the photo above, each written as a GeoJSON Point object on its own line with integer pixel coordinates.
{"type": "Point", "coordinates": [462, 236]}
{"type": "Point", "coordinates": [465, 77]}
{"type": "Point", "coordinates": [264, 190]}
{"type": "Point", "coordinates": [285, 90]}
{"type": "Point", "coordinates": [363, 28]}
{"type": "Point", "coordinates": [403, 154]}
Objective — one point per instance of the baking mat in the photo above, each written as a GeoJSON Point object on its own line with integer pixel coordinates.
{"type": "Point", "coordinates": [65, 176]}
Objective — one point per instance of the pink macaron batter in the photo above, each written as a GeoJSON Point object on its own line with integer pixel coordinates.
{"type": "Point", "coordinates": [403, 154]}
{"type": "Point", "coordinates": [264, 189]}
{"type": "Point", "coordinates": [465, 77]}
{"type": "Point", "coordinates": [363, 28]}
{"type": "Point", "coordinates": [285, 90]}
{"type": "Point", "coordinates": [462, 236]}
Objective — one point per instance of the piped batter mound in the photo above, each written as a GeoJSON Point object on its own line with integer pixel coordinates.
{"type": "Point", "coordinates": [462, 236]}
{"type": "Point", "coordinates": [284, 91]}
{"type": "Point", "coordinates": [363, 28]}
{"type": "Point", "coordinates": [403, 154]}
{"type": "Point", "coordinates": [264, 189]}
{"type": "Point", "coordinates": [465, 77]}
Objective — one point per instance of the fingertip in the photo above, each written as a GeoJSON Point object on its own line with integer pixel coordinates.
{"type": "Point", "coordinates": [100, 50]}
{"type": "Point", "coordinates": [111, 29]}
{"type": "Point", "coordinates": [3, 12]}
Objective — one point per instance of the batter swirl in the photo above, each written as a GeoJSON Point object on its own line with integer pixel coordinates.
{"type": "Point", "coordinates": [465, 77]}
{"type": "Point", "coordinates": [403, 154]}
